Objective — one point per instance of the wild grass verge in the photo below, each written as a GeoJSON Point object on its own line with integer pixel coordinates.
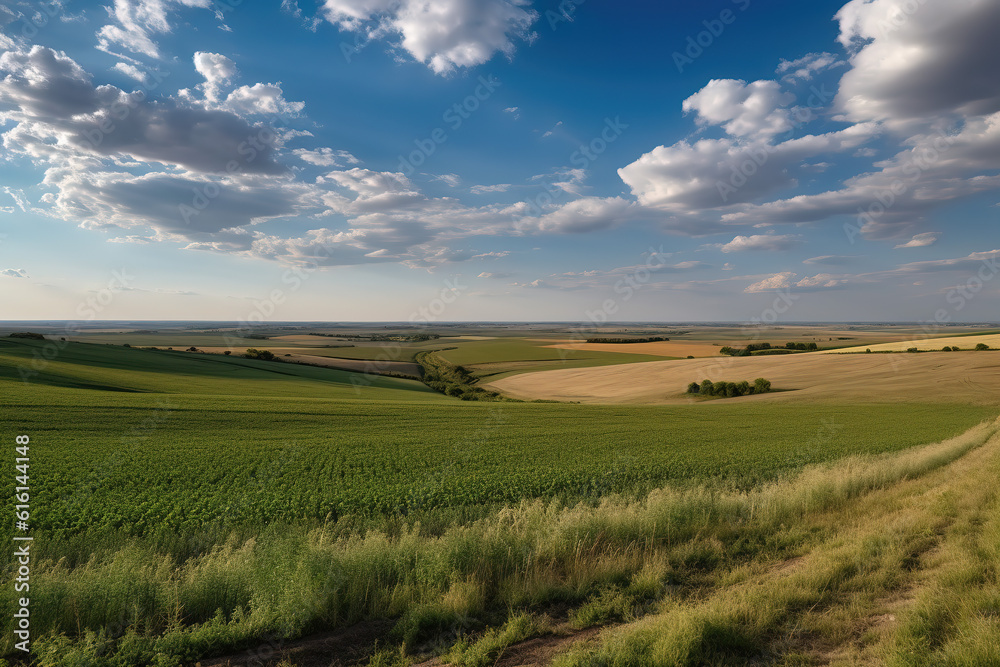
{"type": "Point", "coordinates": [133, 605]}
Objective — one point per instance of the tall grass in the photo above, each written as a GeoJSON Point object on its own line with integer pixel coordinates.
{"type": "Point", "coordinates": [132, 602]}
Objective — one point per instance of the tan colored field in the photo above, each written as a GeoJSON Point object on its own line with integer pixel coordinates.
{"type": "Point", "coordinates": [965, 376]}
{"type": "Point", "coordinates": [964, 342]}
{"type": "Point", "coordinates": [669, 348]}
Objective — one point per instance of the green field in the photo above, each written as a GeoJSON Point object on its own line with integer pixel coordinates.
{"type": "Point", "coordinates": [498, 358]}
{"type": "Point", "coordinates": [143, 457]}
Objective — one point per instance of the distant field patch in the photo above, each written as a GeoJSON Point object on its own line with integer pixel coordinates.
{"type": "Point", "coordinates": [670, 348]}
{"type": "Point", "coordinates": [963, 341]}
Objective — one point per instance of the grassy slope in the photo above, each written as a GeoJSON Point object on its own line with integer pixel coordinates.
{"type": "Point", "coordinates": [201, 446]}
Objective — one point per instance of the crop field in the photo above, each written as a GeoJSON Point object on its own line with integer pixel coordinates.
{"type": "Point", "coordinates": [503, 357]}
{"type": "Point", "coordinates": [190, 495]}
{"type": "Point", "coordinates": [183, 459]}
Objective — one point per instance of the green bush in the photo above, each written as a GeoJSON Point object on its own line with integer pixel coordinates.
{"type": "Point", "coordinates": [982, 346]}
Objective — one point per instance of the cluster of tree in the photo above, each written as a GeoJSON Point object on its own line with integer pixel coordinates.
{"type": "Point", "coordinates": [257, 337]}
{"type": "Point", "coordinates": [744, 351]}
{"type": "Point", "coordinates": [27, 334]}
{"type": "Point", "coordinates": [729, 389]}
{"type": "Point", "coordinates": [652, 339]}
{"type": "Point", "coordinates": [452, 380]}
{"type": "Point", "coordinates": [262, 355]}
{"type": "Point", "coordinates": [801, 346]}
{"type": "Point", "coordinates": [407, 338]}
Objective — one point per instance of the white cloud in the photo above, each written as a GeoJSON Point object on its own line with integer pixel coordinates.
{"type": "Point", "coordinates": [135, 23]}
{"type": "Point", "coordinates": [912, 61]}
{"type": "Point", "coordinates": [587, 214]}
{"type": "Point", "coordinates": [758, 109]}
{"type": "Point", "coordinates": [764, 242]}
{"type": "Point", "coordinates": [451, 180]}
{"type": "Point", "coordinates": [262, 99]}
{"type": "Point", "coordinates": [713, 173]}
{"type": "Point", "coordinates": [803, 69]}
{"type": "Point", "coordinates": [59, 114]}
{"type": "Point", "coordinates": [215, 68]}
{"type": "Point", "coordinates": [132, 72]}
{"type": "Point", "coordinates": [444, 35]}
{"type": "Point", "coordinates": [832, 260]}
{"type": "Point", "coordinates": [920, 240]}
{"type": "Point", "coordinates": [486, 189]}
{"type": "Point", "coordinates": [325, 157]}
{"type": "Point", "coordinates": [822, 280]}
{"type": "Point", "coordinates": [14, 273]}
{"type": "Point", "coordinates": [776, 282]}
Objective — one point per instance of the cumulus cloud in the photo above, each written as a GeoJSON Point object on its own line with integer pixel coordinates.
{"type": "Point", "coordinates": [920, 240]}
{"type": "Point", "coordinates": [587, 214]}
{"type": "Point", "coordinates": [718, 173]}
{"type": "Point", "coordinates": [887, 203]}
{"type": "Point", "coordinates": [262, 99]}
{"type": "Point", "coordinates": [776, 282]}
{"type": "Point", "coordinates": [762, 242]}
{"type": "Point", "coordinates": [14, 273]}
{"type": "Point", "coordinates": [59, 112]}
{"type": "Point", "coordinates": [913, 61]}
{"type": "Point", "coordinates": [444, 35]}
{"type": "Point", "coordinates": [757, 109]}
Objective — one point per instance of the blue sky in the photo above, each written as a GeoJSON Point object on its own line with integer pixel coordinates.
{"type": "Point", "coordinates": [363, 160]}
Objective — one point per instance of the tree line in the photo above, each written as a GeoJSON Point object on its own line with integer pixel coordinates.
{"type": "Point", "coordinates": [729, 389]}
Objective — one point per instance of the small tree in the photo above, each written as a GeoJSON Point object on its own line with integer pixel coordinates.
{"type": "Point", "coordinates": [707, 388]}
{"type": "Point", "coordinates": [227, 352]}
{"type": "Point", "coordinates": [744, 388]}
{"type": "Point", "coordinates": [946, 349]}
{"type": "Point", "coordinates": [719, 389]}
{"type": "Point", "coordinates": [694, 388]}
{"type": "Point", "coordinates": [812, 346]}
{"type": "Point", "coordinates": [761, 386]}
{"type": "Point", "coordinates": [982, 346]}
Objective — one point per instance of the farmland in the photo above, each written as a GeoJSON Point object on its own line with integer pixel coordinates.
{"type": "Point", "coordinates": [204, 502]}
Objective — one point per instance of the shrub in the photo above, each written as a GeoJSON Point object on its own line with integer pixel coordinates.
{"type": "Point", "coordinates": [982, 346]}
{"type": "Point", "coordinates": [912, 349]}
{"type": "Point", "coordinates": [707, 387]}
{"type": "Point", "coordinates": [761, 386]}
{"type": "Point", "coordinates": [227, 352]}
{"type": "Point", "coordinates": [694, 388]}
{"type": "Point", "coordinates": [262, 355]}
{"type": "Point", "coordinates": [192, 349]}
{"type": "Point", "coordinates": [690, 356]}
{"type": "Point", "coordinates": [946, 349]}
{"type": "Point", "coordinates": [868, 350]}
